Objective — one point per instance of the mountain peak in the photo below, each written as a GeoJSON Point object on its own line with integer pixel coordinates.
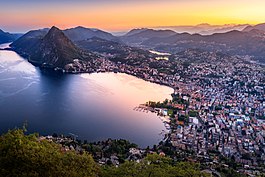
{"type": "Point", "coordinates": [85, 29]}
{"type": "Point", "coordinates": [53, 49]}
{"type": "Point", "coordinates": [80, 28]}
{"type": "Point", "coordinates": [260, 26]}
{"type": "Point", "coordinates": [55, 35]}
{"type": "Point", "coordinates": [80, 33]}
{"type": "Point", "coordinates": [54, 29]}
{"type": "Point", "coordinates": [136, 30]}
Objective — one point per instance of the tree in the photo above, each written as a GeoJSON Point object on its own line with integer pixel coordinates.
{"type": "Point", "coordinates": [154, 165]}
{"type": "Point", "coordinates": [27, 155]}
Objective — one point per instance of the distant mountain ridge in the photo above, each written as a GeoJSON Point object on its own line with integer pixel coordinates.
{"type": "Point", "coordinates": [137, 36]}
{"type": "Point", "coordinates": [135, 31]}
{"type": "Point", "coordinates": [57, 48]}
{"type": "Point", "coordinates": [113, 50]}
{"type": "Point", "coordinates": [260, 27]}
{"type": "Point", "coordinates": [29, 41]}
{"type": "Point", "coordinates": [81, 33]}
{"type": "Point", "coordinates": [149, 33]}
{"type": "Point", "coordinates": [41, 49]}
{"type": "Point", "coordinates": [205, 28]}
{"type": "Point", "coordinates": [234, 42]}
{"type": "Point", "coordinates": [74, 34]}
{"type": "Point", "coordinates": [6, 37]}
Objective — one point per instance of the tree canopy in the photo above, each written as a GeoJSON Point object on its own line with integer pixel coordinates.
{"type": "Point", "coordinates": [28, 155]}
{"type": "Point", "coordinates": [155, 165]}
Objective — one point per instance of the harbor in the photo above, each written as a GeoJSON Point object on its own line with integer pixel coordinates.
{"type": "Point", "coordinates": [162, 115]}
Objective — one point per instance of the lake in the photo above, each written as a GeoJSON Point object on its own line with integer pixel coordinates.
{"type": "Point", "coordinates": [93, 106]}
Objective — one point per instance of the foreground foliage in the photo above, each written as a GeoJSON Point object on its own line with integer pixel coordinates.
{"type": "Point", "coordinates": [155, 166]}
{"type": "Point", "coordinates": [22, 155]}
{"type": "Point", "coordinates": [27, 155]}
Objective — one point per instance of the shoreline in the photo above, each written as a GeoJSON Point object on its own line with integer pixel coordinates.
{"type": "Point", "coordinates": [164, 119]}
{"type": "Point", "coordinates": [54, 70]}
{"type": "Point", "coordinates": [93, 66]}
{"type": "Point", "coordinates": [50, 71]}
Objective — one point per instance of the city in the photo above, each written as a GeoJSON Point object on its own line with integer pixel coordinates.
{"type": "Point", "coordinates": [132, 88]}
{"type": "Point", "coordinates": [217, 107]}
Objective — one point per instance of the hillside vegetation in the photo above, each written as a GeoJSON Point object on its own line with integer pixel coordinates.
{"type": "Point", "coordinates": [28, 155]}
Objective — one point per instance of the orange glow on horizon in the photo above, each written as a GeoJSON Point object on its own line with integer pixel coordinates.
{"type": "Point", "coordinates": [124, 16]}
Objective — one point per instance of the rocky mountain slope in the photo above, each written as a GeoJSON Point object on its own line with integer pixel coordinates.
{"type": "Point", "coordinates": [50, 50]}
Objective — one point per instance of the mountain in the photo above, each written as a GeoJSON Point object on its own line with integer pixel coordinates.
{"type": "Point", "coordinates": [8, 37]}
{"type": "Point", "coordinates": [260, 27]}
{"type": "Point", "coordinates": [135, 31]}
{"type": "Point", "coordinates": [52, 49]}
{"type": "Point", "coordinates": [223, 29]}
{"type": "Point", "coordinates": [205, 28]}
{"type": "Point", "coordinates": [74, 34]}
{"type": "Point", "coordinates": [29, 41]}
{"type": "Point", "coordinates": [234, 42]}
{"type": "Point", "coordinates": [150, 33]}
{"type": "Point", "coordinates": [138, 36]}
{"type": "Point", "coordinates": [81, 33]}
{"type": "Point", "coordinates": [112, 50]}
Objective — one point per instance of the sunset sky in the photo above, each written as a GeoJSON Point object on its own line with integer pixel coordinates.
{"type": "Point", "coordinates": [120, 15]}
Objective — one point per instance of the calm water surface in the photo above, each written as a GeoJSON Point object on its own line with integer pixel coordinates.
{"type": "Point", "coordinates": [93, 106]}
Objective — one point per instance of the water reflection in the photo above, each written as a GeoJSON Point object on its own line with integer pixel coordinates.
{"type": "Point", "coordinates": [93, 106]}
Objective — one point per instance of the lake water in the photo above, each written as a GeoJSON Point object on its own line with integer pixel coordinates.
{"type": "Point", "coordinates": [93, 106]}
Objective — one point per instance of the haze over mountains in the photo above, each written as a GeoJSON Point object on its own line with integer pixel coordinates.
{"type": "Point", "coordinates": [57, 48]}
{"type": "Point", "coordinates": [255, 27]}
{"type": "Point", "coordinates": [205, 28]}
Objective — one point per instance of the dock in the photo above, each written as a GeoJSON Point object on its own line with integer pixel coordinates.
{"type": "Point", "coordinates": [143, 108]}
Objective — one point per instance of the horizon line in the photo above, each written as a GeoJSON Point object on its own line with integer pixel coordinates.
{"type": "Point", "coordinates": [127, 29]}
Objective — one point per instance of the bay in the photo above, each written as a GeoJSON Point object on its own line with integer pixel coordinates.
{"type": "Point", "coordinates": [93, 106]}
